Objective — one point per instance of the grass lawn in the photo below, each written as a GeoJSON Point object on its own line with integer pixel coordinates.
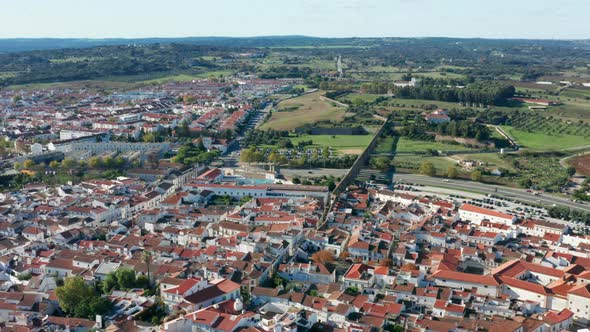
{"type": "Point", "coordinates": [348, 144]}
{"type": "Point", "coordinates": [543, 142]}
{"type": "Point", "coordinates": [309, 108]}
{"type": "Point", "coordinates": [385, 145]}
{"type": "Point", "coordinates": [407, 145]}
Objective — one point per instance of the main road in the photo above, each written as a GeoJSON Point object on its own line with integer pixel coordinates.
{"type": "Point", "coordinates": [482, 188]}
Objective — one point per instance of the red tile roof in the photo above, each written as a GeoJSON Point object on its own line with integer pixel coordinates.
{"type": "Point", "coordinates": [492, 213]}
{"type": "Point", "coordinates": [554, 318]}
{"type": "Point", "coordinates": [521, 284]}
{"type": "Point", "coordinates": [465, 277]}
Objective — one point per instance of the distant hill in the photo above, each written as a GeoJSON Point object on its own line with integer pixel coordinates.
{"type": "Point", "coordinates": [24, 61]}
{"type": "Point", "coordinates": [36, 44]}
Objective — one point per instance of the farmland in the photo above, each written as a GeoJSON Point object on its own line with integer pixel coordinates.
{"type": "Point", "coordinates": [408, 145]}
{"type": "Point", "coordinates": [541, 141]}
{"type": "Point", "coordinates": [582, 164]}
{"type": "Point", "coordinates": [413, 162]}
{"type": "Point", "coordinates": [309, 108]}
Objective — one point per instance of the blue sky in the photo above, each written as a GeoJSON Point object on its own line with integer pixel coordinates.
{"type": "Point", "coordinates": [566, 19]}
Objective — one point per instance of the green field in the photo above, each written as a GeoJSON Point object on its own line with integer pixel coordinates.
{"type": "Point", "coordinates": [348, 144]}
{"type": "Point", "coordinates": [582, 93]}
{"type": "Point", "coordinates": [385, 145]}
{"type": "Point", "coordinates": [543, 142]}
{"type": "Point", "coordinates": [188, 77]}
{"type": "Point", "coordinates": [407, 145]}
{"type": "Point", "coordinates": [94, 84]}
{"type": "Point", "coordinates": [7, 74]}
{"type": "Point", "coordinates": [125, 81]}
{"type": "Point", "coordinates": [413, 162]}
{"type": "Point", "coordinates": [436, 74]}
{"type": "Point", "coordinates": [492, 160]}
{"type": "Point", "coordinates": [309, 108]}
{"type": "Point", "coordinates": [365, 97]}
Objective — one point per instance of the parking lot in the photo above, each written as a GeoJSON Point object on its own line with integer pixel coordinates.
{"type": "Point", "coordinates": [492, 202]}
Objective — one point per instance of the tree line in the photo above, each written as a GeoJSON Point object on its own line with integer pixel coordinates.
{"type": "Point", "coordinates": [478, 93]}
{"type": "Point", "coordinates": [421, 130]}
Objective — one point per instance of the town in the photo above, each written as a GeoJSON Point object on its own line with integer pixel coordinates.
{"type": "Point", "coordinates": [284, 184]}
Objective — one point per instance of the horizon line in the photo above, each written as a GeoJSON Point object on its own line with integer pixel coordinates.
{"type": "Point", "coordinates": [295, 35]}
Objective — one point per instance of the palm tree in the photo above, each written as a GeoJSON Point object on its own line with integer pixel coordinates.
{"type": "Point", "coordinates": [146, 257]}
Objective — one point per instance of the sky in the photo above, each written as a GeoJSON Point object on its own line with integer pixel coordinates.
{"type": "Point", "coordinates": [539, 19]}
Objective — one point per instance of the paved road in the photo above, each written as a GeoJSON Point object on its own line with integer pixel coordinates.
{"type": "Point", "coordinates": [518, 194]}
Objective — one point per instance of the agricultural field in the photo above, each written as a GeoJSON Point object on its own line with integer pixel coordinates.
{"type": "Point", "coordinates": [188, 77]}
{"type": "Point", "coordinates": [582, 164]}
{"type": "Point", "coordinates": [124, 82]}
{"type": "Point", "coordinates": [413, 162]}
{"type": "Point", "coordinates": [577, 93]}
{"type": "Point", "coordinates": [346, 144]}
{"type": "Point", "coordinates": [309, 108]}
{"type": "Point", "coordinates": [277, 59]}
{"type": "Point", "coordinates": [438, 74]}
{"type": "Point", "coordinates": [540, 171]}
{"type": "Point", "coordinates": [547, 140]}
{"type": "Point", "coordinates": [574, 110]}
{"type": "Point", "coordinates": [408, 145]}
{"type": "Point", "coordinates": [365, 97]}
{"type": "Point", "coordinates": [86, 84]}
{"type": "Point", "coordinates": [7, 74]}
{"type": "Point", "coordinates": [399, 104]}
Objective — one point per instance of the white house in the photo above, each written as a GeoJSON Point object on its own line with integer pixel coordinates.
{"type": "Point", "coordinates": [485, 285]}
{"type": "Point", "coordinates": [477, 214]}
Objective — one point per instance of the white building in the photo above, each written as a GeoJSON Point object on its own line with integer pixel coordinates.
{"type": "Point", "coordinates": [485, 285]}
{"type": "Point", "coordinates": [477, 214]}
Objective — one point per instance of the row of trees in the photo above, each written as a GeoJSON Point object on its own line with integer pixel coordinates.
{"type": "Point", "coordinates": [479, 93]}
{"type": "Point", "coordinates": [465, 129]}
{"type": "Point", "coordinates": [68, 164]}
{"type": "Point", "coordinates": [428, 168]}
{"type": "Point", "coordinates": [421, 130]}
{"type": "Point", "coordinates": [569, 214]}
